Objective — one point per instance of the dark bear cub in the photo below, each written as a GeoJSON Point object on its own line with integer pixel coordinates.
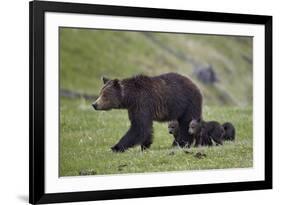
{"type": "Point", "coordinates": [206, 132]}
{"type": "Point", "coordinates": [229, 131]}
{"type": "Point", "coordinates": [173, 128]}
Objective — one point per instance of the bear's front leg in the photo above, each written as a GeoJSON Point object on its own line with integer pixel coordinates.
{"type": "Point", "coordinates": [127, 141]}
{"type": "Point", "coordinates": [117, 148]}
{"type": "Point", "coordinates": [140, 133]}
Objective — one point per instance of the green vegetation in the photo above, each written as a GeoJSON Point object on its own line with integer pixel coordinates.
{"type": "Point", "coordinates": [87, 135]}
{"type": "Point", "coordinates": [87, 54]}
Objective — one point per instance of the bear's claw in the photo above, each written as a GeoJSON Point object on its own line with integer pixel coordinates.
{"type": "Point", "coordinates": [116, 148]}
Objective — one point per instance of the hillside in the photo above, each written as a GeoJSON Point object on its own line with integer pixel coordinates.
{"type": "Point", "coordinates": [86, 55]}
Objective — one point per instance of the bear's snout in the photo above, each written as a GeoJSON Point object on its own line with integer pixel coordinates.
{"type": "Point", "coordinates": [94, 105]}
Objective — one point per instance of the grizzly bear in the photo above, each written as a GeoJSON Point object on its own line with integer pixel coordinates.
{"type": "Point", "coordinates": [205, 132]}
{"type": "Point", "coordinates": [161, 98]}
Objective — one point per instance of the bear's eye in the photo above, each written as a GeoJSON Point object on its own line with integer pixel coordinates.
{"type": "Point", "coordinates": [103, 97]}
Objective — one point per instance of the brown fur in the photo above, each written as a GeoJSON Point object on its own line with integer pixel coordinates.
{"type": "Point", "coordinates": [206, 132]}
{"type": "Point", "coordinates": [229, 131]}
{"type": "Point", "coordinates": [161, 98]}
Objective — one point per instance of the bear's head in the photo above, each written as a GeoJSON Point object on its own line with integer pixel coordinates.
{"type": "Point", "coordinates": [110, 95]}
{"type": "Point", "coordinates": [173, 127]}
{"type": "Point", "coordinates": [194, 126]}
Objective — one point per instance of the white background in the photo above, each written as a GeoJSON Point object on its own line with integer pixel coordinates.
{"type": "Point", "coordinates": [14, 100]}
{"type": "Point", "coordinates": [69, 184]}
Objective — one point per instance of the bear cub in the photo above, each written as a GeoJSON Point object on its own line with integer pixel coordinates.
{"type": "Point", "coordinates": [173, 128]}
{"type": "Point", "coordinates": [229, 131]}
{"type": "Point", "coordinates": [205, 132]}
{"type": "Point", "coordinates": [196, 127]}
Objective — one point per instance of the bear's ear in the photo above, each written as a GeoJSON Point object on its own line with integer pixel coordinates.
{"type": "Point", "coordinates": [105, 79]}
{"type": "Point", "coordinates": [116, 82]}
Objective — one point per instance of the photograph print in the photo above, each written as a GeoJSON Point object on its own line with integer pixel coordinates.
{"type": "Point", "coordinates": [129, 102]}
{"type": "Point", "coordinates": [145, 101]}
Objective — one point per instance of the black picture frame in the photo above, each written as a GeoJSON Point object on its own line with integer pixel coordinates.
{"type": "Point", "coordinates": [37, 10]}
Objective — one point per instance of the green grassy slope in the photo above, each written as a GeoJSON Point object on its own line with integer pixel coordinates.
{"type": "Point", "coordinates": [86, 136]}
{"type": "Point", "coordinates": [87, 54]}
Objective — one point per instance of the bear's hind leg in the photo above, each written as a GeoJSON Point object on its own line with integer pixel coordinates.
{"type": "Point", "coordinates": [184, 138]}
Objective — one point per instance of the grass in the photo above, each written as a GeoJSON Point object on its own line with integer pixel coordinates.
{"type": "Point", "coordinates": [87, 135]}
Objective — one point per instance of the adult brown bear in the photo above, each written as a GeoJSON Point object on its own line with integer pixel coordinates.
{"type": "Point", "coordinates": [161, 98]}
